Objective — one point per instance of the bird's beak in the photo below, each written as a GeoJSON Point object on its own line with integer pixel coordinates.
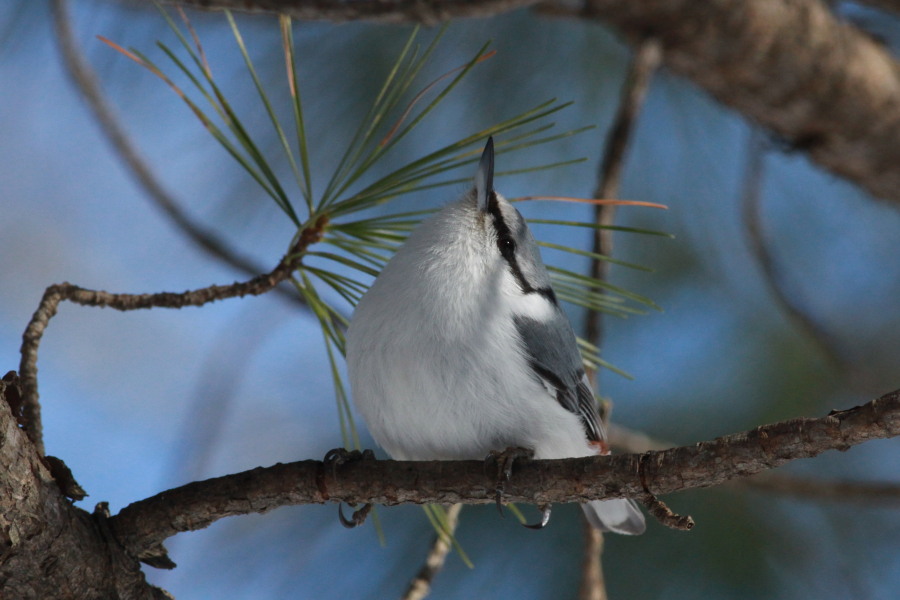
{"type": "Point", "coordinates": [484, 177]}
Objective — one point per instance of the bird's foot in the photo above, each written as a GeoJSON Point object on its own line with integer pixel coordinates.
{"type": "Point", "coordinates": [504, 460]}
{"type": "Point", "coordinates": [341, 456]}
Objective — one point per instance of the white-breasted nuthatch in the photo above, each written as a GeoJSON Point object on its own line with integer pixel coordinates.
{"type": "Point", "coordinates": [460, 348]}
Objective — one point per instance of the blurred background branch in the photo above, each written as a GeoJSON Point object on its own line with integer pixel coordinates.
{"type": "Point", "coordinates": [751, 212]}
{"type": "Point", "coordinates": [643, 64]}
{"type": "Point", "coordinates": [420, 586]}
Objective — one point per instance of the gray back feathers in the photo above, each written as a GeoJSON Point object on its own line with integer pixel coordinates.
{"type": "Point", "coordinates": [553, 356]}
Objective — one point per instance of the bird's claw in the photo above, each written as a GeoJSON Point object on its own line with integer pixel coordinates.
{"type": "Point", "coordinates": [504, 459]}
{"type": "Point", "coordinates": [545, 517]}
{"type": "Point", "coordinates": [357, 518]}
{"type": "Point", "coordinates": [341, 456]}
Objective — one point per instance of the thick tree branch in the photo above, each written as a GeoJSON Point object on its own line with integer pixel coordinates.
{"type": "Point", "coordinates": [146, 524]}
{"type": "Point", "coordinates": [791, 65]}
{"type": "Point", "coordinates": [428, 12]}
{"type": "Point", "coordinates": [881, 493]}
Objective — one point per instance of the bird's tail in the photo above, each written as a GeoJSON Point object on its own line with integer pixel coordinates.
{"type": "Point", "coordinates": [619, 516]}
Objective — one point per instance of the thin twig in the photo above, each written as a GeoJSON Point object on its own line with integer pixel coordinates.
{"type": "Point", "coordinates": [145, 524]}
{"type": "Point", "coordinates": [55, 294]}
{"type": "Point", "coordinates": [420, 586]}
{"type": "Point", "coordinates": [657, 507]}
{"type": "Point", "coordinates": [87, 82]}
{"type": "Point", "coordinates": [664, 514]}
{"type": "Point", "coordinates": [646, 59]}
{"type": "Point", "coordinates": [774, 277]}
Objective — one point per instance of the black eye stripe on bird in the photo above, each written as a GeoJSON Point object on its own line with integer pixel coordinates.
{"type": "Point", "coordinates": [464, 314]}
{"type": "Point", "coordinates": [508, 252]}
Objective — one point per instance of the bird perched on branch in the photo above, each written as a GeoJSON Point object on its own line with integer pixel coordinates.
{"type": "Point", "coordinates": [460, 349]}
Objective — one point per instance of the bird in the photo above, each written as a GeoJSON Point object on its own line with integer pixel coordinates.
{"type": "Point", "coordinates": [460, 348]}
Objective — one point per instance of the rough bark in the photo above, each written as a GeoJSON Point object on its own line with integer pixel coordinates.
{"type": "Point", "coordinates": [49, 548]}
{"type": "Point", "coordinates": [146, 524]}
{"type": "Point", "coordinates": [791, 65]}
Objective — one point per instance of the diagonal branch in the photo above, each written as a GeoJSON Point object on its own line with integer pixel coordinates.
{"type": "Point", "coordinates": [420, 586]}
{"type": "Point", "coordinates": [55, 294]}
{"type": "Point", "coordinates": [790, 65]}
{"type": "Point", "coordinates": [147, 523]}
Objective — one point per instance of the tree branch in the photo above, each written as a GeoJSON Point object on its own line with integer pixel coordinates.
{"type": "Point", "coordinates": [48, 547]}
{"type": "Point", "coordinates": [420, 586]}
{"type": "Point", "coordinates": [87, 82]}
{"type": "Point", "coordinates": [146, 524]}
{"type": "Point", "coordinates": [643, 64]}
{"type": "Point", "coordinates": [428, 12]}
{"type": "Point", "coordinates": [593, 580]}
{"type": "Point", "coordinates": [55, 294]}
{"type": "Point", "coordinates": [790, 65]}
{"type": "Point", "coordinates": [773, 276]}
{"type": "Point", "coordinates": [873, 493]}
{"type": "Point", "coordinates": [862, 492]}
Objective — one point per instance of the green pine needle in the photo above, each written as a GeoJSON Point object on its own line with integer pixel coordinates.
{"type": "Point", "coordinates": [437, 516]}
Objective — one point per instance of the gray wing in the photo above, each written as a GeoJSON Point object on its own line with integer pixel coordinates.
{"type": "Point", "coordinates": [554, 358]}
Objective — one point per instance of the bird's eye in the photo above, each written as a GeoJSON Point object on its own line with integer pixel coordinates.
{"type": "Point", "coordinates": [506, 244]}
